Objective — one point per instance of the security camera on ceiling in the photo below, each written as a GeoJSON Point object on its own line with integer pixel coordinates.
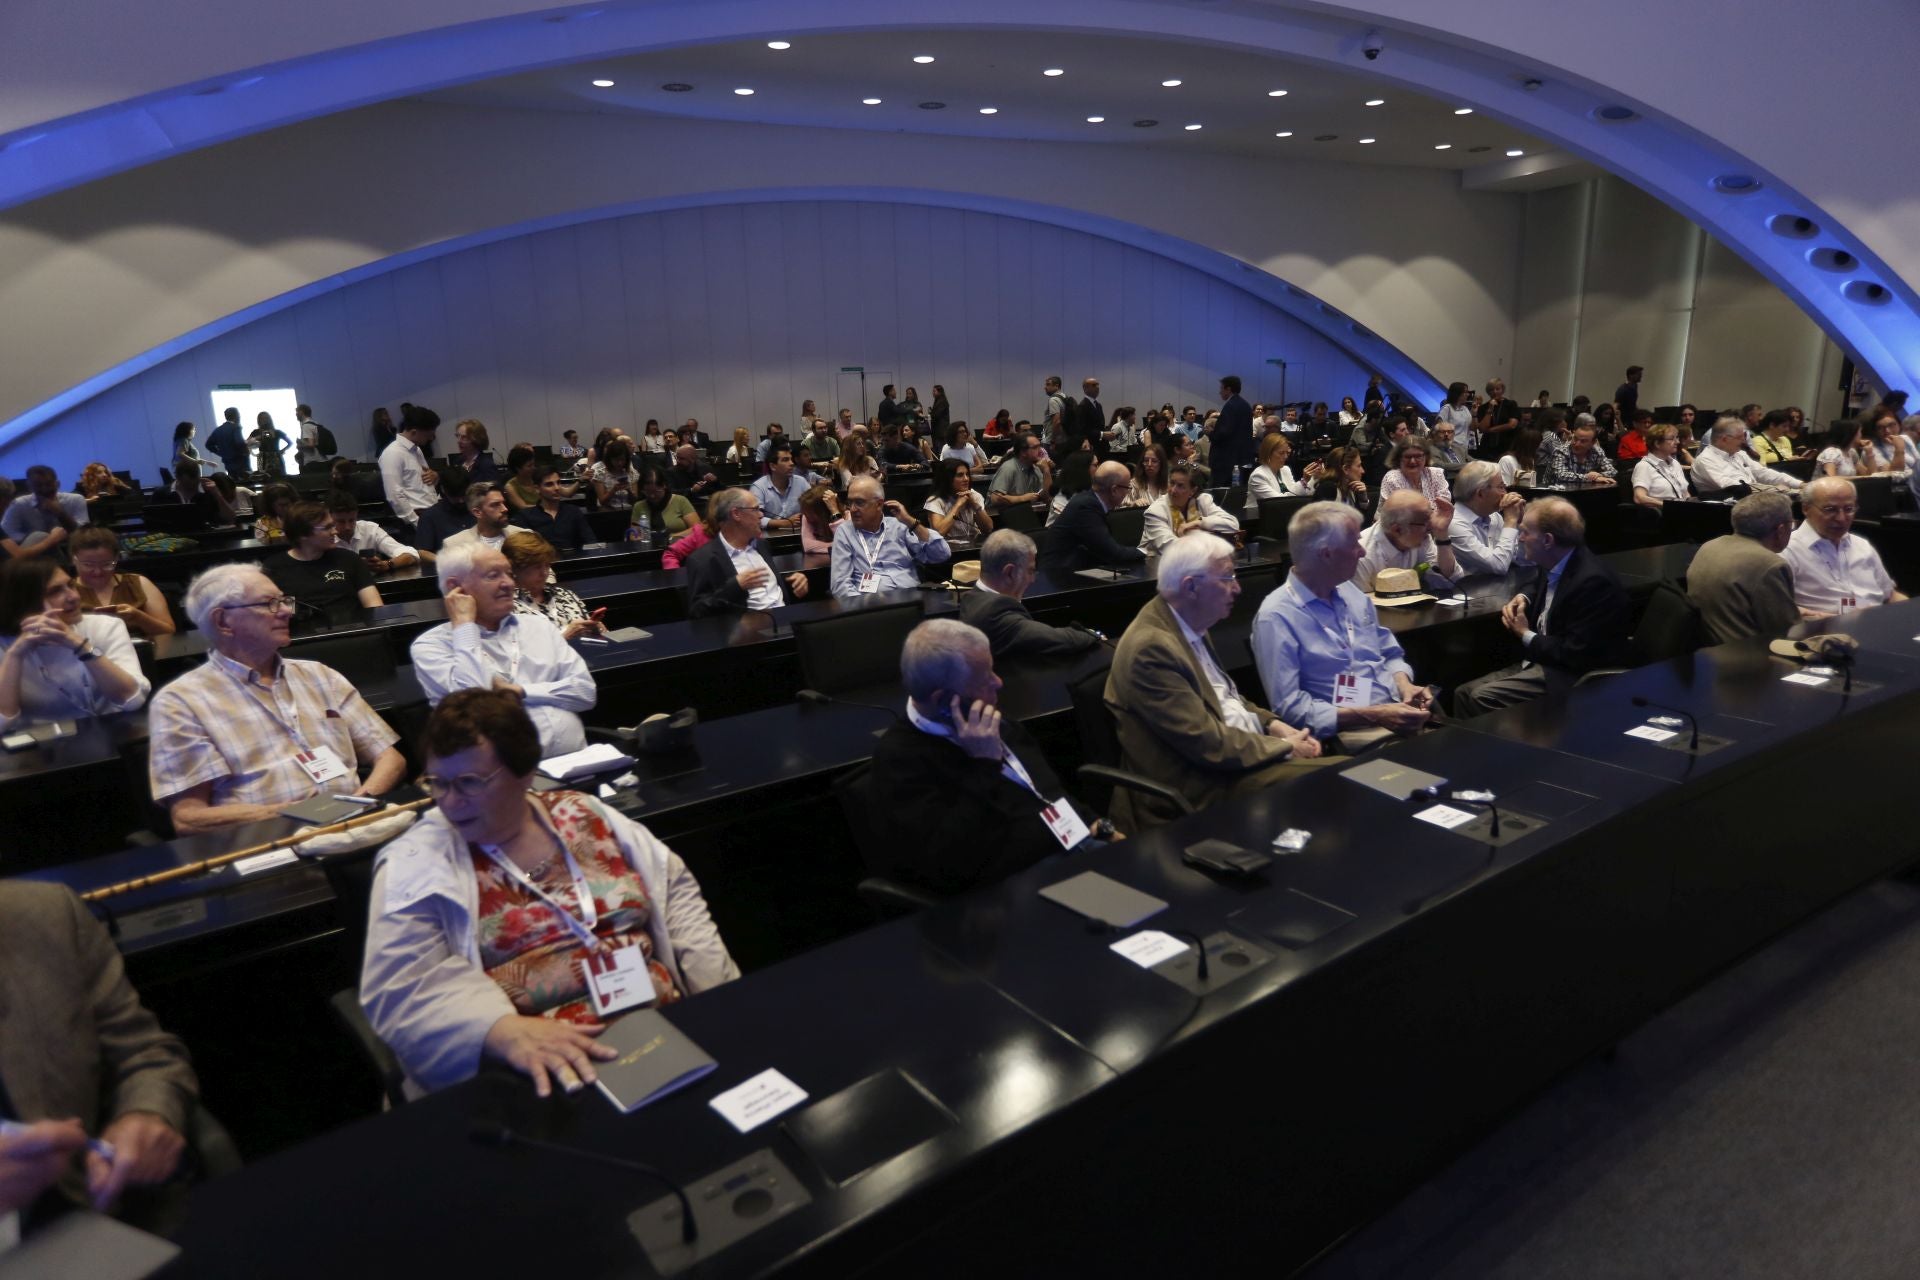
{"type": "Point", "coordinates": [1372, 46]}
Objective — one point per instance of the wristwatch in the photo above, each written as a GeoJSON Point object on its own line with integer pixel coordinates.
{"type": "Point", "coordinates": [1443, 542]}
{"type": "Point", "coordinates": [86, 652]}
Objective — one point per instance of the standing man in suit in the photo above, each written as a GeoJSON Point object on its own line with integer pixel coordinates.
{"type": "Point", "coordinates": [889, 412]}
{"type": "Point", "coordinates": [1232, 434]}
{"type": "Point", "coordinates": [1092, 415]}
{"type": "Point", "coordinates": [1180, 718]}
{"type": "Point", "coordinates": [1739, 582]}
{"type": "Point", "coordinates": [728, 574]}
{"type": "Point", "coordinates": [1571, 618]}
{"type": "Point", "coordinates": [1008, 563]}
{"type": "Point", "coordinates": [75, 1041]}
{"type": "Point", "coordinates": [1079, 538]}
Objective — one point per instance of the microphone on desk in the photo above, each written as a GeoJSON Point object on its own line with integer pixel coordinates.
{"type": "Point", "coordinates": [1693, 744]}
{"type": "Point", "coordinates": [486, 1134]}
{"type": "Point", "coordinates": [1199, 948]}
{"type": "Point", "coordinates": [815, 698]}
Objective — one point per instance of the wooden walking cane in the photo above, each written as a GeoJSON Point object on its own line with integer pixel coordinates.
{"type": "Point", "coordinates": [214, 864]}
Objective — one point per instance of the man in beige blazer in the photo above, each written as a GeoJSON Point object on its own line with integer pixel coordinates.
{"type": "Point", "coordinates": [1181, 721]}
{"type": "Point", "coordinates": [1739, 582]}
{"type": "Point", "coordinates": [75, 1042]}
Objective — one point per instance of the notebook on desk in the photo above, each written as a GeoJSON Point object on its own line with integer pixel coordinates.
{"type": "Point", "coordinates": [655, 1059]}
{"type": "Point", "coordinates": [1389, 778]}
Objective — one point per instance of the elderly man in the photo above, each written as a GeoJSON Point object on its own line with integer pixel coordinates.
{"type": "Point", "coordinates": [1324, 658]}
{"type": "Point", "coordinates": [1001, 807]}
{"type": "Point", "coordinates": [1571, 618]}
{"type": "Point", "coordinates": [248, 731]}
{"type": "Point", "coordinates": [404, 471]}
{"type": "Point", "coordinates": [1025, 477]}
{"type": "Point", "coordinates": [1486, 520]}
{"type": "Point", "coordinates": [1738, 581]}
{"type": "Point", "coordinates": [1834, 571]}
{"type": "Point", "coordinates": [492, 518]}
{"type": "Point", "coordinates": [780, 490]}
{"type": "Point", "coordinates": [1007, 569]}
{"type": "Point", "coordinates": [1725, 464]}
{"type": "Point", "coordinates": [380, 549]}
{"type": "Point", "coordinates": [728, 573]}
{"type": "Point", "coordinates": [485, 644]}
{"type": "Point", "coordinates": [1079, 538]}
{"type": "Point", "coordinates": [1180, 719]}
{"type": "Point", "coordinates": [42, 519]}
{"type": "Point", "coordinates": [1583, 461]}
{"type": "Point", "coordinates": [1402, 538]}
{"type": "Point", "coordinates": [877, 546]}
{"type": "Point", "coordinates": [84, 1056]}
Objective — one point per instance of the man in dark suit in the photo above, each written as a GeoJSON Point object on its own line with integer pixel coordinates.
{"type": "Point", "coordinates": [889, 412]}
{"type": "Point", "coordinates": [1008, 563]}
{"type": "Point", "coordinates": [693, 435]}
{"type": "Point", "coordinates": [1079, 538]}
{"type": "Point", "coordinates": [1572, 617]}
{"type": "Point", "coordinates": [1092, 425]}
{"type": "Point", "coordinates": [728, 574]}
{"type": "Point", "coordinates": [970, 798]}
{"type": "Point", "coordinates": [1233, 442]}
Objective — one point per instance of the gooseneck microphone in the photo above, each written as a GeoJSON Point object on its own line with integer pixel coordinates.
{"type": "Point", "coordinates": [1693, 744]}
{"type": "Point", "coordinates": [486, 1134]}
{"type": "Point", "coordinates": [1199, 948]}
{"type": "Point", "coordinates": [1464, 796]}
{"type": "Point", "coordinates": [815, 698]}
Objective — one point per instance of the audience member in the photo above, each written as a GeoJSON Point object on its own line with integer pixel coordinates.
{"type": "Point", "coordinates": [1524, 463]}
{"type": "Point", "coordinates": [1273, 478]}
{"type": "Point", "coordinates": [470, 447]}
{"type": "Point", "coordinates": [39, 521]}
{"type": "Point", "coordinates": [615, 481]}
{"type": "Point", "coordinates": [776, 434]}
{"type": "Point", "coordinates": [1403, 538]}
{"type": "Point", "coordinates": [879, 544]}
{"type": "Point", "coordinates": [446, 517]}
{"type": "Point", "coordinates": [270, 519]}
{"type": "Point", "coordinates": [682, 548]}
{"type": "Point", "coordinates": [1835, 571]}
{"type": "Point", "coordinates": [183, 450]}
{"type": "Point", "coordinates": [530, 557]}
{"type": "Point", "coordinates": [1486, 520]}
{"type": "Point", "coordinates": [248, 731]}
{"type": "Point", "coordinates": [381, 551]}
{"type": "Point", "coordinates": [1080, 538]}
{"type": "Point", "coordinates": [488, 507]}
{"type": "Point", "coordinates": [896, 453]}
{"type": "Point", "coordinates": [1725, 465]}
{"type": "Point", "coordinates": [269, 445]}
{"type": "Point", "coordinates": [956, 510]}
{"type": "Point", "coordinates": [485, 911]}
{"type": "Point", "coordinates": [381, 431]}
{"type": "Point", "coordinates": [1184, 509]}
{"type": "Point", "coordinates": [729, 573]}
{"type": "Point", "coordinates": [1343, 480]}
{"type": "Point", "coordinates": [1583, 461]}
{"type": "Point", "coordinates": [1008, 565]}
{"type": "Point", "coordinates": [1025, 475]}
{"type": "Point", "coordinates": [1447, 452]}
{"type": "Point", "coordinates": [1326, 662]}
{"type": "Point", "coordinates": [1149, 476]}
{"type": "Point", "coordinates": [191, 487]}
{"type": "Point", "coordinates": [779, 491]}
{"type": "Point", "coordinates": [821, 442]}
{"type": "Point", "coordinates": [130, 597]}
{"type": "Point", "coordinates": [819, 517]}
{"type": "Point", "coordinates": [691, 475]}
{"type": "Point", "coordinates": [522, 487]}
{"type": "Point", "coordinates": [1408, 470]}
{"type": "Point", "coordinates": [97, 481]}
{"type": "Point", "coordinates": [1571, 618]}
{"type": "Point", "coordinates": [1658, 478]}
{"type": "Point", "coordinates": [666, 512]}
{"type": "Point", "coordinates": [484, 644]}
{"type": "Point", "coordinates": [1738, 581]}
{"type": "Point", "coordinates": [963, 449]}
{"type": "Point", "coordinates": [316, 570]}
{"type": "Point", "coordinates": [570, 448]}
{"type": "Point", "coordinates": [57, 662]}
{"type": "Point", "coordinates": [405, 473]}
{"type": "Point", "coordinates": [1074, 477]}
{"type": "Point", "coordinates": [1233, 443]}
{"type": "Point", "coordinates": [1892, 451]}
{"type": "Point", "coordinates": [1844, 454]}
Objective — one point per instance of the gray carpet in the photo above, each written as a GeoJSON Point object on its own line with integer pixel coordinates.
{"type": "Point", "coordinates": [1768, 1125]}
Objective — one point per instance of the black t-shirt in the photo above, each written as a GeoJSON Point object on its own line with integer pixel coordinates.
{"type": "Point", "coordinates": [331, 583]}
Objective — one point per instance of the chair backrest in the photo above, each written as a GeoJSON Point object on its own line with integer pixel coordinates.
{"type": "Point", "coordinates": [350, 876]}
{"type": "Point", "coordinates": [1020, 516]}
{"type": "Point", "coordinates": [365, 658]}
{"type": "Point", "coordinates": [1669, 627]}
{"type": "Point", "coordinates": [1274, 515]}
{"type": "Point", "coordinates": [174, 517]}
{"type": "Point", "coordinates": [854, 791]}
{"type": "Point", "coordinates": [855, 649]}
{"type": "Point", "coordinates": [609, 525]}
{"type": "Point", "coordinates": [1127, 524]}
{"type": "Point", "coordinates": [1099, 739]}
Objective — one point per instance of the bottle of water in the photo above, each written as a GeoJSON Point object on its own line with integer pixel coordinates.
{"type": "Point", "coordinates": [642, 528]}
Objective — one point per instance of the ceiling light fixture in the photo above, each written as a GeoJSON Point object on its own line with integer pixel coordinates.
{"type": "Point", "coordinates": [1443, 146]}
{"type": "Point", "coordinates": [1516, 151]}
{"type": "Point", "coordinates": [1463, 111]}
{"type": "Point", "coordinates": [869, 102]}
{"type": "Point", "coordinates": [1054, 71]}
{"type": "Point", "coordinates": [603, 84]}
{"type": "Point", "coordinates": [1366, 142]}
{"type": "Point", "coordinates": [1169, 84]}
{"type": "Point", "coordinates": [1096, 119]}
{"type": "Point", "coordinates": [1192, 127]}
{"type": "Point", "coordinates": [1376, 102]}
{"type": "Point", "coordinates": [745, 93]}
{"type": "Point", "coordinates": [989, 111]}
{"type": "Point", "coordinates": [779, 44]}
{"type": "Point", "coordinates": [923, 58]}
{"type": "Point", "coordinates": [1276, 93]}
{"type": "Point", "coordinates": [677, 87]}
{"type": "Point", "coordinates": [1284, 133]}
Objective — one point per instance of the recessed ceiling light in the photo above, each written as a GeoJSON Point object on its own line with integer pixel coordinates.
{"type": "Point", "coordinates": [1443, 146]}
{"type": "Point", "coordinates": [1376, 102]}
{"type": "Point", "coordinates": [1145, 124]}
{"type": "Point", "coordinates": [1054, 71]}
{"type": "Point", "coordinates": [1463, 111]}
{"type": "Point", "coordinates": [1096, 119]}
{"type": "Point", "coordinates": [1516, 152]}
{"type": "Point", "coordinates": [603, 84]}
{"type": "Point", "coordinates": [1325, 137]}
{"type": "Point", "coordinates": [676, 87]}
{"type": "Point", "coordinates": [933, 106]}
{"type": "Point", "coordinates": [779, 44]}
{"type": "Point", "coordinates": [1192, 127]}
{"type": "Point", "coordinates": [745, 93]}
{"type": "Point", "coordinates": [1169, 84]}
{"type": "Point", "coordinates": [1366, 142]}
{"type": "Point", "coordinates": [869, 102]}
{"type": "Point", "coordinates": [1276, 93]}
{"type": "Point", "coordinates": [923, 58]}
{"type": "Point", "coordinates": [989, 111]}
{"type": "Point", "coordinates": [1284, 133]}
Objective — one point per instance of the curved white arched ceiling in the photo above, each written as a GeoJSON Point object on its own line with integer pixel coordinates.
{"type": "Point", "coordinates": [1721, 70]}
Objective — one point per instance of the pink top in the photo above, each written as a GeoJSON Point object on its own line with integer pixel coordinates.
{"type": "Point", "coordinates": [815, 546]}
{"type": "Point", "coordinates": [688, 543]}
{"type": "Point", "coordinates": [1434, 485]}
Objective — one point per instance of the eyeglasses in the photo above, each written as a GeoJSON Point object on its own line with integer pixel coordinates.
{"type": "Point", "coordinates": [101, 566]}
{"type": "Point", "coordinates": [1836, 511]}
{"type": "Point", "coordinates": [272, 604]}
{"type": "Point", "coordinates": [467, 784]}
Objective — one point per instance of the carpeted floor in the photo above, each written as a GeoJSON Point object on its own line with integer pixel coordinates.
{"type": "Point", "coordinates": [1768, 1125]}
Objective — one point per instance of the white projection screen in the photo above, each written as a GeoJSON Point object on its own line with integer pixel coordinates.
{"type": "Point", "coordinates": [278, 402]}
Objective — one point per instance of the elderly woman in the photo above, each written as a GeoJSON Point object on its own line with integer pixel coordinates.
{"type": "Point", "coordinates": [1659, 478]}
{"type": "Point", "coordinates": [1182, 510]}
{"type": "Point", "coordinates": [56, 662]}
{"type": "Point", "coordinates": [1408, 468]}
{"type": "Point", "coordinates": [129, 597]}
{"type": "Point", "coordinates": [956, 509]}
{"type": "Point", "coordinates": [1273, 478]}
{"type": "Point", "coordinates": [486, 912]}
{"type": "Point", "coordinates": [530, 556]}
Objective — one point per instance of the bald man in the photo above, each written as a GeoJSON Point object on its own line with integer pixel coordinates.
{"type": "Point", "coordinates": [1080, 539]}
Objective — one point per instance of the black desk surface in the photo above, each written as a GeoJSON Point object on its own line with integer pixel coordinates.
{"type": "Point", "coordinates": [1888, 629]}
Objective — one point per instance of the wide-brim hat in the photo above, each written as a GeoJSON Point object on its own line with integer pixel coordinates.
{"type": "Point", "coordinates": [1398, 587]}
{"type": "Point", "coordinates": [1836, 645]}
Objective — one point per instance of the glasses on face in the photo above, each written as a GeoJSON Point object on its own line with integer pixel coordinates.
{"type": "Point", "coordinates": [1831, 510]}
{"type": "Point", "coordinates": [272, 604]}
{"type": "Point", "coordinates": [467, 784]}
{"type": "Point", "coordinates": [96, 566]}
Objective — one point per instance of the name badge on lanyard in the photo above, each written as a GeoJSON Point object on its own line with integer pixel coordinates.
{"type": "Point", "coordinates": [870, 576]}
{"type": "Point", "coordinates": [618, 979]}
{"type": "Point", "coordinates": [320, 764]}
{"type": "Point", "coordinates": [1346, 690]}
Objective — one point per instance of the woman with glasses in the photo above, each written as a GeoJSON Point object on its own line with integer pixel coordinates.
{"type": "Point", "coordinates": [57, 662]}
{"type": "Point", "coordinates": [500, 904]}
{"type": "Point", "coordinates": [130, 597]}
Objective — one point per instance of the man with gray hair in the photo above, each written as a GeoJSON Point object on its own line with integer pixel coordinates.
{"type": "Point", "coordinates": [1079, 538]}
{"type": "Point", "coordinates": [491, 518]}
{"type": "Point", "coordinates": [970, 798]}
{"type": "Point", "coordinates": [877, 546]}
{"type": "Point", "coordinates": [1179, 716]}
{"type": "Point", "coordinates": [1403, 538]}
{"type": "Point", "coordinates": [1835, 571]}
{"type": "Point", "coordinates": [484, 644]}
{"type": "Point", "coordinates": [1007, 569]}
{"type": "Point", "coordinates": [1725, 463]}
{"type": "Point", "coordinates": [1324, 658]}
{"type": "Point", "coordinates": [1486, 520]}
{"type": "Point", "coordinates": [249, 732]}
{"type": "Point", "coordinates": [1738, 581]}
{"type": "Point", "coordinates": [728, 574]}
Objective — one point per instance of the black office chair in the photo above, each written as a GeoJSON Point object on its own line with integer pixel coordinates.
{"type": "Point", "coordinates": [887, 898]}
{"type": "Point", "coordinates": [855, 649]}
{"type": "Point", "coordinates": [365, 658]}
{"type": "Point", "coordinates": [1127, 524]}
{"type": "Point", "coordinates": [1100, 743]}
{"type": "Point", "coordinates": [1274, 515]}
{"type": "Point", "coordinates": [1669, 628]}
{"type": "Point", "coordinates": [350, 876]}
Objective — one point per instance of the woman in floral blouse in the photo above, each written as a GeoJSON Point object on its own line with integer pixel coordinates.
{"type": "Point", "coordinates": [535, 589]}
{"type": "Point", "coordinates": [485, 913]}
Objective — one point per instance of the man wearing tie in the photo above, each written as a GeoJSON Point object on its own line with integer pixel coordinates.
{"type": "Point", "coordinates": [1093, 420]}
{"type": "Point", "coordinates": [1572, 618]}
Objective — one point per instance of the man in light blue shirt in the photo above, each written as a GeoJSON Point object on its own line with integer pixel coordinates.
{"type": "Point", "coordinates": [1327, 663]}
{"type": "Point", "coordinates": [43, 518]}
{"type": "Point", "coordinates": [780, 491]}
{"type": "Point", "coordinates": [877, 546]}
{"type": "Point", "coordinates": [1486, 520]}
